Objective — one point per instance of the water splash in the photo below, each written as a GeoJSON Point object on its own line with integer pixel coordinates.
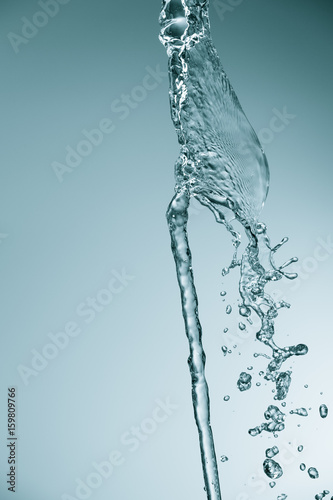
{"type": "Point", "coordinates": [275, 422]}
{"type": "Point", "coordinates": [221, 164]}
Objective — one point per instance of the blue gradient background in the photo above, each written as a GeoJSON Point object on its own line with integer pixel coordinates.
{"type": "Point", "coordinates": [60, 243]}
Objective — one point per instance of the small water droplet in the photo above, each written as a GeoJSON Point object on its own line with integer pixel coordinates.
{"type": "Point", "coordinates": [272, 484]}
{"type": "Point", "coordinates": [226, 398]}
{"type": "Point", "coordinates": [282, 497]}
{"type": "Point", "coordinates": [271, 452]}
{"type": "Point", "coordinates": [245, 311]}
{"type": "Point", "coordinates": [228, 309]}
{"type": "Point", "coordinates": [225, 330]}
{"type": "Point", "coordinates": [306, 386]}
{"type": "Point", "coordinates": [241, 326]}
{"type": "Point", "coordinates": [299, 411]}
{"type": "Point", "coordinates": [223, 294]}
{"type": "Point", "coordinates": [272, 469]}
{"type": "Point", "coordinates": [313, 473]}
{"type": "Point", "coordinates": [323, 411]}
{"type": "Point", "coordinates": [224, 458]}
{"type": "Point", "coordinates": [300, 448]}
{"type": "Point", "coordinates": [224, 350]}
{"type": "Point", "coordinates": [302, 466]}
{"type": "Point", "coordinates": [244, 382]}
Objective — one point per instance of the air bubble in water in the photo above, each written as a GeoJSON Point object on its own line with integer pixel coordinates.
{"type": "Point", "coordinates": [323, 411]}
{"type": "Point", "coordinates": [313, 473]}
{"type": "Point", "coordinates": [272, 469]}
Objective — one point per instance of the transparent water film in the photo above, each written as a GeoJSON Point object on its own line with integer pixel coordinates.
{"type": "Point", "coordinates": [223, 166]}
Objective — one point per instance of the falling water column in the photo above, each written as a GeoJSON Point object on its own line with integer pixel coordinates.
{"type": "Point", "coordinates": [177, 216]}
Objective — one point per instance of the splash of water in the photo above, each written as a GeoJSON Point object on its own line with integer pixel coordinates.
{"type": "Point", "coordinates": [222, 165]}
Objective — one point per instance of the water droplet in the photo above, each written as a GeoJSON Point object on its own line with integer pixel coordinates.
{"type": "Point", "coordinates": [272, 484]}
{"type": "Point", "coordinates": [228, 309]}
{"type": "Point", "coordinates": [223, 294]}
{"type": "Point", "coordinates": [299, 411]}
{"type": "Point", "coordinates": [241, 326]}
{"type": "Point", "coordinates": [258, 384]}
{"type": "Point", "coordinates": [284, 404]}
{"type": "Point", "coordinates": [282, 497]}
{"type": "Point", "coordinates": [300, 448]}
{"type": "Point", "coordinates": [225, 330]}
{"type": "Point", "coordinates": [245, 311]}
{"type": "Point", "coordinates": [224, 349]}
{"type": "Point", "coordinates": [282, 385]}
{"type": "Point", "coordinates": [306, 386]}
{"type": "Point", "coordinates": [272, 469]}
{"type": "Point", "coordinates": [302, 466]}
{"type": "Point", "coordinates": [322, 495]}
{"type": "Point", "coordinates": [250, 367]}
{"type": "Point", "coordinates": [226, 398]}
{"type": "Point", "coordinates": [261, 373]}
{"type": "Point", "coordinates": [313, 473]}
{"type": "Point", "coordinates": [271, 452]}
{"type": "Point", "coordinates": [244, 382]}
{"type": "Point", "coordinates": [224, 458]}
{"type": "Point", "coordinates": [323, 411]}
